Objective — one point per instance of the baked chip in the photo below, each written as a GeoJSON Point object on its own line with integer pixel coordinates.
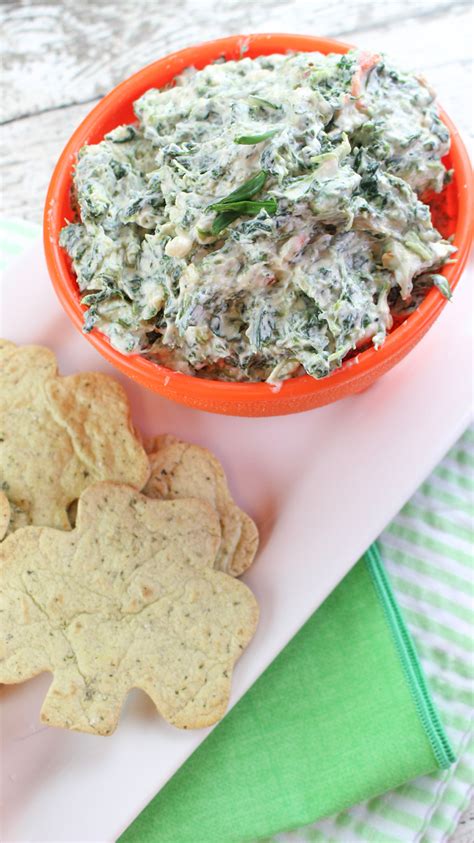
{"type": "Point", "coordinates": [128, 599]}
{"type": "Point", "coordinates": [181, 470]}
{"type": "Point", "coordinates": [60, 434]}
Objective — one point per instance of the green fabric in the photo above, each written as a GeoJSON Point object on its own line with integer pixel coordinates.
{"type": "Point", "coordinates": [341, 715]}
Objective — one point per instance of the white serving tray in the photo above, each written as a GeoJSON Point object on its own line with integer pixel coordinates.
{"type": "Point", "coordinates": [321, 485]}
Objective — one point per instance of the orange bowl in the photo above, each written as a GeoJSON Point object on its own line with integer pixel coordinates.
{"type": "Point", "coordinates": [452, 213]}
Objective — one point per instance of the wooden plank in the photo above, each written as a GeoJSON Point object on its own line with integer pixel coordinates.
{"type": "Point", "coordinates": [465, 830]}
{"type": "Point", "coordinates": [63, 53]}
{"type": "Point", "coordinates": [32, 145]}
{"type": "Point", "coordinates": [29, 149]}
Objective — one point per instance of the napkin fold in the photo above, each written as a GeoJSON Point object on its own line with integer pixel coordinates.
{"type": "Point", "coordinates": [342, 714]}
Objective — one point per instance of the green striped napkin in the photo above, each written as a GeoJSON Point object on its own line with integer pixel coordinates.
{"type": "Point", "coordinates": [428, 552]}
{"type": "Point", "coordinates": [343, 713]}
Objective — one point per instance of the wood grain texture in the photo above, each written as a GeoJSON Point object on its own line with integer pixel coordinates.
{"type": "Point", "coordinates": [31, 144]}
{"type": "Point", "coordinates": [60, 57]}
{"type": "Point", "coordinates": [465, 830]}
{"type": "Point", "coordinates": [29, 149]}
{"type": "Point", "coordinates": [68, 52]}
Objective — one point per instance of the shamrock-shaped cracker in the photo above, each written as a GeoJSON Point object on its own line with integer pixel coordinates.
{"type": "Point", "coordinates": [181, 470]}
{"type": "Point", "coordinates": [60, 434]}
{"type": "Point", "coordinates": [128, 599]}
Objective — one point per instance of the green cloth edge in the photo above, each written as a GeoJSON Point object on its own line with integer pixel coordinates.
{"type": "Point", "coordinates": [414, 675]}
{"type": "Point", "coordinates": [154, 826]}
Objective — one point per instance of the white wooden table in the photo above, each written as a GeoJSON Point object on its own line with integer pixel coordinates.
{"type": "Point", "coordinates": [61, 57]}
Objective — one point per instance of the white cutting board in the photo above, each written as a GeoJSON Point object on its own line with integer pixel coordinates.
{"type": "Point", "coordinates": [321, 485]}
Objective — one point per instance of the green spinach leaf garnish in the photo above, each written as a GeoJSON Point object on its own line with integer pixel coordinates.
{"type": "Point", "coordinates": [223, 220]}
{"type": "Point", "coordinates": [251, 139]}
{"type": "Point", "coordinates": [248, 189]}
{"type": "Point", "coordinates": [248, 206]}
{"type": "Point", "coordinates": [240, 202]}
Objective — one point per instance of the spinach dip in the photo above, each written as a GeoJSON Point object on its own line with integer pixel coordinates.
{"type": "Point", "coordinates": [262, 218]}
